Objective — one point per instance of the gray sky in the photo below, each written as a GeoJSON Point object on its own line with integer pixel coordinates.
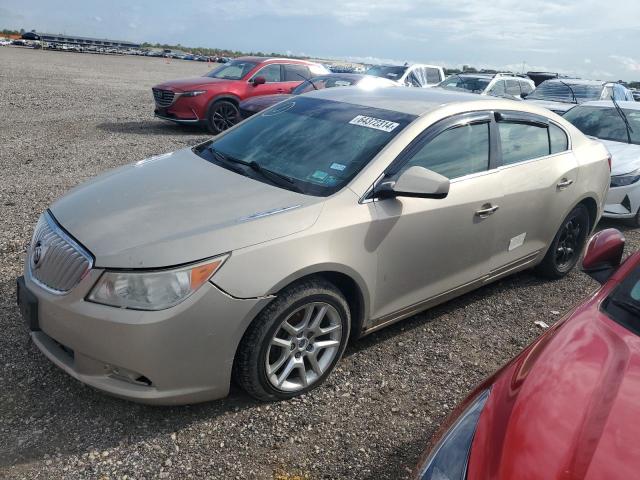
{"type": "Point", "coordinates": [581, 37]}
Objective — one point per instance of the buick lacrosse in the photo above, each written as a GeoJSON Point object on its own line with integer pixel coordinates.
{"type": "Point", "coordinates": [256, 255]}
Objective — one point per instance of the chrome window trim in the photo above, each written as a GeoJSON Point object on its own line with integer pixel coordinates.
{"type": "Point", "coordinates": [48, 216]}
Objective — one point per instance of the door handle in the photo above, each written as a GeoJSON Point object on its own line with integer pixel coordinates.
{"type": "Point", "coordinates": [281, 90]}
{"type": "Point", "coordinates": [487, 210]}
{"type": "Point", "coordinates": [564, 183]}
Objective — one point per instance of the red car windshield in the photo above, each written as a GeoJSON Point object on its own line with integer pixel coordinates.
{"type": "Point", "coordinates": [234, 70]}
{"type": "Point", "coordinates": [623, 305]}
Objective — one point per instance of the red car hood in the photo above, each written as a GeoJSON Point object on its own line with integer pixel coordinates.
{"type": "Point", "coordinates": [567, 407]}
{"type": "Point", "coordinates": [185, 84]}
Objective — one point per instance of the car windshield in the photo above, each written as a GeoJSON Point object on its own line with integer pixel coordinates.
{"type": "Point", "coordinates": [319, 83]}
{"type": "Point", "coordinates": [623, 305]}
{"type": "Point", "coordinates": [319, 145]}
{"type": "Point", "coordinates": [563, 91]}
{"type": "Point", "coordinates": [390, 72]}
{"type": "Point", "coordinates": [235, 70]}
{"type": "Point", "coordinates": [466, 82]}
{"type": "Point", "coordinates": [605, 123]}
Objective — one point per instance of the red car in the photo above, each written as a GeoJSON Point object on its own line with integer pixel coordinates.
{"type": "Point", "coordinates": [568, 406]}
{"type": "Point", "coordinates": [212, 100]}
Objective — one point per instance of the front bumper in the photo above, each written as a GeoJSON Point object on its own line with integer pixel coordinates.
{"type": "Point", "coordinates": [164, 114]}
{"type": "Point", "coordinates": [176, 356]}
{"type": "Point", "coordinates": [622, 202]}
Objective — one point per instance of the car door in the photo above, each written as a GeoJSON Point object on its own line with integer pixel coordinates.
{"type": "Point", "coordinates": [431, 247]}
{"type": "Point", "coordinates": [273, 75]}
{"type": "Point", "coordinates": [538, 174]}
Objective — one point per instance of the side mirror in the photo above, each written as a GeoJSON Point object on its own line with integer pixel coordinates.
{"type": "Point", "coordinates": [603, 254]}
{"type": "Point", "coordinates": [524, 95]}
{"type": "Point", "coordinates": [258, 81]}
{"type": "Point", "coordinates": [415, 182]}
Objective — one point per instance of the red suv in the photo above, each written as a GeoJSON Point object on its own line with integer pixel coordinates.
{"type": "Point", "coordinates": [213, 99]}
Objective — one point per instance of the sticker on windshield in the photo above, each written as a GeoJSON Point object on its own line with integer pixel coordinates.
{"type": "Point", "coordinates": [338, 166]}
{"type": "Point", "coordinates": [319, 175]}
{"type": "Point", "coordinates": [375, 123]}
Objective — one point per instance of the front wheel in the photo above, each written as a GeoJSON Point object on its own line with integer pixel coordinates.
{"type": "Point", "coordinates": [295, 343]}
{"type": "Point", "coordinates": [222, 115]}
{"type": "Point", "coordinates": [567, 245]}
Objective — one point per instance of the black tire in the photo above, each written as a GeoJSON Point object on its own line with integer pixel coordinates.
{"type": "Point", "coordinates": [572, 235]}
{"type": "Point", "coordinates": [250, 366]}
{"type": "Point", "coordinates": [222, 114]}
{"type": "Point", "coordinates": [635, 221]}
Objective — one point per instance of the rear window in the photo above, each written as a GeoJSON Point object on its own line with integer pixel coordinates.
{"type": "Point", "coordinates": [563, 91]}
{"type": "Point", "coordinates": [623, 305]}
{"type": "Point", "coordinates": [320, 145]}
{"type": "Point", "coordinates": [606, 123]}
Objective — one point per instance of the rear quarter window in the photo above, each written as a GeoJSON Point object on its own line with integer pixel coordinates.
{"type": "Point", "coordinates": [558, 139]}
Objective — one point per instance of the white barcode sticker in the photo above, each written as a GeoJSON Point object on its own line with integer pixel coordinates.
{"type": "Point", "coordinates": [375, 123]}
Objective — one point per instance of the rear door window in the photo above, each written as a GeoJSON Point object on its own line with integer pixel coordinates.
{"type": "Point", "coordinates": [498, 88]}
{"type": "Point", "coordinates": [456, 152]}
{"type": "Point", "coordinates": [296, 73]}
{"type": "Point", "coordinates": [433, 75]}
{"type": "Point", "coordinates": [513, 88]}
{"type": "Point", "coordinates": [522, 141]}
{"type": "Point", "coordinates": [526, 87]}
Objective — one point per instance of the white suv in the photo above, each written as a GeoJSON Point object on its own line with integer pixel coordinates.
{"type": "Point", "coordinates": [498, 84]}
{"type": "Point", "coordinates": [416, 75]}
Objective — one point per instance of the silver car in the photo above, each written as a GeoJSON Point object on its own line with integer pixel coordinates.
{"type": "Point", "coordinates": [258, 254]}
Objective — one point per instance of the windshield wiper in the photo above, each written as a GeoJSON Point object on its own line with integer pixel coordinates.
{"type": "Point", "coordinates": [623, 117]}
{"type": "Point", "coordinates": [306, 80]}
{"type": "Point", "coordinates": [575, 100]}
{"type": "Point", "coordinates": [274, 177]}
{"type": "Point", "coordinates": [627, 305]}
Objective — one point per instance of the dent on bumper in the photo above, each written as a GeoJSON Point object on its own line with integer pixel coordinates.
{"type": "Point", "coordinates": [180, 355]}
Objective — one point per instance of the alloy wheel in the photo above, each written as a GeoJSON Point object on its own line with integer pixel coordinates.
{"type": "Point", "coordinates": [303, 347]}
{"type": "Point", "coordinates": [569, 243]}
{"type": "Point", "coordinates": [224, 116]}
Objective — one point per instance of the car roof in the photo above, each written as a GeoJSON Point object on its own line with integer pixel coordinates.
{"type": "Point", "coordinates": [272, 59]}
{"type": "Point", "coordinates": [413, 101]}
{"type": "Point", "coordinates": [608, 103]}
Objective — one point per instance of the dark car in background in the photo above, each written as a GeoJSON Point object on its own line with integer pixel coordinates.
{"type": "Point", "coordinates": [212, 100]}
{"type": "Point", "coordinates": [567, 406]}
{"type": "Point", "coordinates": [257, 104]}
{"type": "Point", "coordinates": [561, 94]}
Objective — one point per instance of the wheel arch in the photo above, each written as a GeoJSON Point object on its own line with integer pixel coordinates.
{"type": "Point", "coordinates": [592, 208]}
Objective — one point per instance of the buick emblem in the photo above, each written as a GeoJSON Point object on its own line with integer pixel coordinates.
{"type": "Point", "coordinates": [38, 252]}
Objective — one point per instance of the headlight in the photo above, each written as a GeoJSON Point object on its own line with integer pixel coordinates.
{"type": "Point", "coordinates": [448, 460]}
{"type": "Point", "coordinates": [152, 290]}
{"type": "Point", "coordinates": [193, 93]}
{"type": "Point", "coordinates": [624, 180]}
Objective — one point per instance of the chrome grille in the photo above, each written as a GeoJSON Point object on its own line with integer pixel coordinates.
{"type": "Point", "coordinates": [163, 98]}
{"type": "Point", "coordinates": [55, 260]}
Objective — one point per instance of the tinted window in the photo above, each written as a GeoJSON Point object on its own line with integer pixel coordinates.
{"type": "Point", "coordinates": [319, 144]}
{"type": "Point", "coordinates": [558, 139]}
{"type": "Point", "coordinates": [605, 123]}
{"type": "Point", "coordinates": [296, 73]}
{"type": "Point", "coordinates": [623, 305]}
{"type": "Point", "coordinates": [318, 83]}
{"type": "Point", "coordinates": [456, 152]}
{"type": "Point", "coordinates": [271, 73]}
{"type": "Point", "coordinates": [235, 70]}
{"type": "Point", "coordinates": [564, 91]}
{"type": "Point", "coordinates": [433, 75]}
{"type": "Point", "coordinates": [513, 88]}
{"type": "Point", "coordinates": [521, 141]}
{"type": "Point", "coordinates": [416, 78]}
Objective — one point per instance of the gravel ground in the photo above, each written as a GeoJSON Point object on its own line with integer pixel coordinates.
{"type": "Point", "coordinates": [66, 117]}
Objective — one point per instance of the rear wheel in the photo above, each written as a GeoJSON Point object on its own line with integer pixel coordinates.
{"type": "Point", "coordinates": [222, 115]}
{"type": "Point", "coordinates": [295, 343]}
{"type": "Point", "coordinates": [567, 245]}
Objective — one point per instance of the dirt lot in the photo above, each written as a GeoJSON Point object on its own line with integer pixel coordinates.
{"type": "Point", "coordinates": [65, 117]}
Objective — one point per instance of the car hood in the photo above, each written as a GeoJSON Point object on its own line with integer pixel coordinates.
{"type": "Point", "coordinates": [185, 84]}
{"type": "Point", "coordinates": [557, 107]}
{"type": "Point", "coordinates": [625, 157]}
{"type": "Point", "coordinates": [178, 208]}
{"type": "Point", "coordinates": [565, 408]}
{"type": "Point", "coordinates": [263, 101]}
